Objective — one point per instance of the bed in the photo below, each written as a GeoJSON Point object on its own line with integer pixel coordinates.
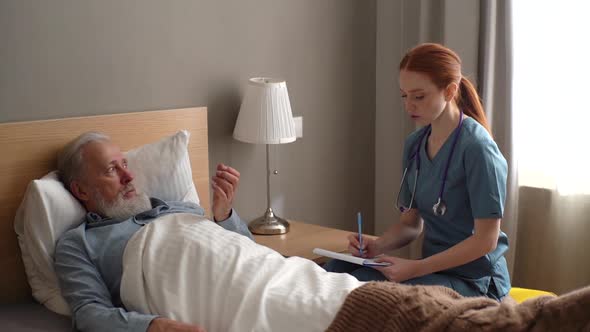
{"type": "Point", "coordinates": [29, 151]}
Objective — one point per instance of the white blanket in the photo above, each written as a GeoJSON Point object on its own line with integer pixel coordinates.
{"type": "Point", "coordinates": [189, 269]}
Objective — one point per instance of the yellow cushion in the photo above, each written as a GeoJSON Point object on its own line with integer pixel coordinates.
{"type": "Point", "coordinates": [523, 294]}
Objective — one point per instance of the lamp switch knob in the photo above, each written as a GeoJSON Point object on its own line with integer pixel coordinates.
{"type": "Point", "coordinates": [298, 122]}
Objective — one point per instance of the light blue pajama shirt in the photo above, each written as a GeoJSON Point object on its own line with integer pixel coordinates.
{"type": "Point", "coordinates": [89, 266]}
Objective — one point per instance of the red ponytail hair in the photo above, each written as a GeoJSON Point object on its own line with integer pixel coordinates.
{"type": "Point", "coordinates": [443, 66]}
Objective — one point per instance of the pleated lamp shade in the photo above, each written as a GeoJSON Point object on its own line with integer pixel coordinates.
{"type": "Point", "coordinates": [265, 115]}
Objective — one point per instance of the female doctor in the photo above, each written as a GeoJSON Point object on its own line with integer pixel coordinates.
{"type": "Point", "coordinates": [453, 187]}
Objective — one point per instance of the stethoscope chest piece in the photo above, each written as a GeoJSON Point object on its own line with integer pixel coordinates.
{"type": "Point", "coordinates": [440, 208]}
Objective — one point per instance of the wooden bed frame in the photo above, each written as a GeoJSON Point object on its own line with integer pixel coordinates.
{"type": "Point", "coordinates": [28, 150]}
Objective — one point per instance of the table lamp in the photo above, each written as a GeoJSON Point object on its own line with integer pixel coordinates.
{"type": "Point", "coordinates": [265, 118]}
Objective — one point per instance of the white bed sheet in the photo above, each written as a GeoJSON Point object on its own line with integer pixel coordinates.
{"type": "Point", "coordinates": [187, 268]}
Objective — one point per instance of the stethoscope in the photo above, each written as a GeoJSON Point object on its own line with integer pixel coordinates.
{"type": "Point", "coordinates": [439, 208]}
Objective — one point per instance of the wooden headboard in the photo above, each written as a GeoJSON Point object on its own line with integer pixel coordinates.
{"type": "Point", "coordinates": [28, 150]}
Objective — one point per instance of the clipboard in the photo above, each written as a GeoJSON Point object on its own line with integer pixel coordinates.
{"type": "Point", "coordinates": [349, 258]}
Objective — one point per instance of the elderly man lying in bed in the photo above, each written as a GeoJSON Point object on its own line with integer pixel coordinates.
{"type": "Point", "coordinates": [141, 264]}
{"type": "Point", "coordinates": [88, 258]}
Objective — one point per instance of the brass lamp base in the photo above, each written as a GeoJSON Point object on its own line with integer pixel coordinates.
{"type": "Point", "coordinates": [269, 224]}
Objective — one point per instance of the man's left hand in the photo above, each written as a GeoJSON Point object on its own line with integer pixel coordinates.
{"type": "Point", "coordinates": [224, 184]}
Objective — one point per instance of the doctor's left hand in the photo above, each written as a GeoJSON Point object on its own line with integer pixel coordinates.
{"type": "Point", "coordinates": [224, 184]}
{"type": "Point", "coordinates": [400, 269]}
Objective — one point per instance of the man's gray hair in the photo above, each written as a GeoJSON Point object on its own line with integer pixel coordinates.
{"type": "Point", "coordinates": [69, 161]}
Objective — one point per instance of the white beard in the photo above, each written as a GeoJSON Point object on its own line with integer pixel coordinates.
{"type": "Point", "coordinates": [122, 208]}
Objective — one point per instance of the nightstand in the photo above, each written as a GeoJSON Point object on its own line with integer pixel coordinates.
{"type": "Point", "coordinates": [302, 238]}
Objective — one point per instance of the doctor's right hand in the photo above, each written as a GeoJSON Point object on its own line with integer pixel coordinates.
{"type": "Point", "coordinates": [370, 248]}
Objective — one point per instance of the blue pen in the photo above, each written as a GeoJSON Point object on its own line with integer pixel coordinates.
{"type": "Point", "coordinates": [359, 220]}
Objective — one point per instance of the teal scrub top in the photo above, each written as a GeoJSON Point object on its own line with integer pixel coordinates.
{"type": "Point", "coordinates": [475, 188]}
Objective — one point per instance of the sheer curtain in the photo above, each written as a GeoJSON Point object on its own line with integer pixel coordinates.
{"type": "Point", "coordinates": [551, 83]}
{"type": "Point", "coordinates": [552, 113]}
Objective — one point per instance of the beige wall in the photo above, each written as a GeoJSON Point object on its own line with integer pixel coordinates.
{"type": "Point", "coordinates": [66, 58]}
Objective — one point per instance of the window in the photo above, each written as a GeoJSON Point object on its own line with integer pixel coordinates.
{"type": "Point", "coordinates": [551, 94]}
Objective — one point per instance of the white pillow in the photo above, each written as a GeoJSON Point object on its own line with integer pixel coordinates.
{"type": "Point", "coordinates": [47, 211]}
{"type": "Point", "coordinates": [162, 170]}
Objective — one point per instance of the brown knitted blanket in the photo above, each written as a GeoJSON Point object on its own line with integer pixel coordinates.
{"type": "Point", "coordinates": [387, 306]}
